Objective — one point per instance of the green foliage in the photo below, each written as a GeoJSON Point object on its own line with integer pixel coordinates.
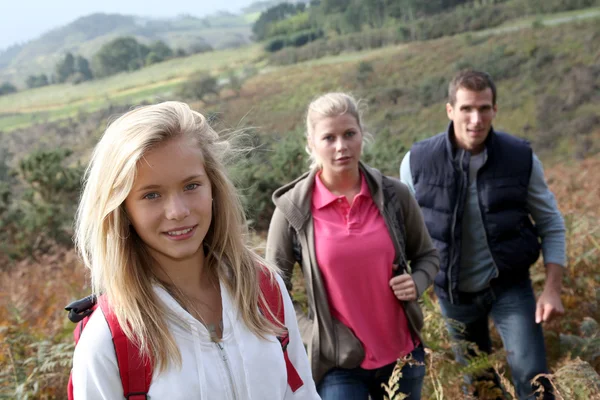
{"type": "Point", "coordinates": [432, 90]}
{"type": "Point", "coordinates": [65, 68]}
{"type": "Point", "coordinates": [35, 364]}
{"type": "Point", "coordinates": [43, 214]}
{"type": "Point", "coordinates": [73, 69]}
{"type": "Point", "coordinates": [288, 26]}
{"type": "Point", "coordinates": [264, 26]}
{"type": "Point", "coordinates": [273, 163]}
{"type": "Point", "coordinates": [199, 87]}
{"type": "Point", "coordinates": [364, 72]}
{"type": "Point", "coordinates": [34, 81]}
{"type": "Point", "coordinates": [159, 51]}
{"type": "Point", "coordinates": [120, 55]}
{"type": "Point", "coordinates": [7, 88]}
{"type": "Point", "coordinates": [82, 68]}
{"type": "Point", "coordinates": [297, 39]}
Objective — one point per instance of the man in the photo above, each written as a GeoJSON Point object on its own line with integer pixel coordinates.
{"type": "Point", "coordinates": [486, 205]}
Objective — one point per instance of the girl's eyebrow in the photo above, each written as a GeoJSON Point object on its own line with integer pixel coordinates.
{"type": "Point", "coordinates": [154, 186]}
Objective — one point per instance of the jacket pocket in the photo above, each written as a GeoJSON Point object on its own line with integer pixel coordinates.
{"type": "Point", "coordinates": [350, 352]}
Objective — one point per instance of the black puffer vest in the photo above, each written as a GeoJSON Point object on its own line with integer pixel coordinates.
{"type": "Point", "coordinates": [440, 176]}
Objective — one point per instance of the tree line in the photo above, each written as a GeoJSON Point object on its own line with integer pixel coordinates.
{"type": "Point", "coordinates": [123, 54]}
{"type": "Point", "coordinates": [295, 25]}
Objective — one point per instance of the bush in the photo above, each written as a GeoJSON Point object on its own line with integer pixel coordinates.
{"type": "Point", "coordinates": [275, 44]}
{"type": "Point", "coordinates": [199, 87]}
{"type": "Point", "coordinates": [273, 163]}
{"type": "Point", "coordinates": [432, 90]}
{"type": "Point", "coordinates": [7, 88]}
{"type": "Point", "coordinates": [42, 215]}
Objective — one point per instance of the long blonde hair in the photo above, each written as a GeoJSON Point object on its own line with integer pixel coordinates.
{"type": "Point", "coordinates": [333, 104]}
{"type": "Point", "coordinates": [117, 258]}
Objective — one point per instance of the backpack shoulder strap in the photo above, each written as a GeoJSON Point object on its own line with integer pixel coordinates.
{"type": "Point", "coordinates": [393, 206]}
{"type": "Point", "coordinates": [135, 372]}
{"type": "Point", "coordinates": [274, 302]}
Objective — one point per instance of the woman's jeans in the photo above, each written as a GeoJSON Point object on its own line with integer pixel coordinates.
{"type": "Point", "coordinates": [359, 383]}
{"type": "Point", "coordinates": [512, 308]}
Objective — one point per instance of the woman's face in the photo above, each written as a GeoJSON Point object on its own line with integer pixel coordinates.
{"type": "Point", "coordinates": [170, 204]}
{"type": "Point", "coordinates": [336, 143]}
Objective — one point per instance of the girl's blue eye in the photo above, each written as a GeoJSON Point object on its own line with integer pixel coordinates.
{"type": "Point", "coordinates": [191, 186]}
{"type": "Point", "coordinates": [151, 196]}
{"type": "Point", "coordinates": [350, 133]}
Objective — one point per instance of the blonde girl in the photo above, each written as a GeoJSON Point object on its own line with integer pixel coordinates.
{"type": "Point", "coordinates": [162, 231]}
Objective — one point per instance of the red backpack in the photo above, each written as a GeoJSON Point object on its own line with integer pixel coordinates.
{"type": "Point", "coordinates": [136, 374]}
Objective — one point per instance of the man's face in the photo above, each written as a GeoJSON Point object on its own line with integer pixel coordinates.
{"type": "Point", "coordinates": [472, 114]}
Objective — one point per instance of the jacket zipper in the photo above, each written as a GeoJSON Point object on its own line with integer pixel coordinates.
{"type": "Point", "coordinates": [227, 367]}
{"type": "Point", "coordinates": [454, 216]}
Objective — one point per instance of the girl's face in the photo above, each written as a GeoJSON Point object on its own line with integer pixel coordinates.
{"type": "Point", "coordinates": [170, 204]}
{"type": "Point", "coordinates": [337, 143]}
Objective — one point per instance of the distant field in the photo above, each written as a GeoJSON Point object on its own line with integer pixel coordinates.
{"type": "Point", "coordinates": [158, 81]}
{"type": "Point", "coordinates": [59, 101]}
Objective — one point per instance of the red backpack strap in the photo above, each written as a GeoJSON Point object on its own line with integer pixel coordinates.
{"type": "Point", "coordinates": [272, 294]}
{"type": "Point", "coordinates": [135, 372]}
{"type": "Point", "coordinates": [76, 335]}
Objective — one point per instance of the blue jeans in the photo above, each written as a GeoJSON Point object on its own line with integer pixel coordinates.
{"type": "Point", "coordinates": [359, 383]}
{"type": "Point", "coordinates": [512, 309]}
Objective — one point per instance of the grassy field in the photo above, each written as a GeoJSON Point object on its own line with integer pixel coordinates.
{"type": "Point", "coordinates": [152, 83]}
{"type": "Point", "coordinates": [156, 82]}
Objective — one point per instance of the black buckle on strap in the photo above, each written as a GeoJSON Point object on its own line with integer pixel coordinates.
{"type": "Point", "coordinates": [128, 395]}
{"type": "Point", "coordinates": [284, 339]}
{"type": "Point", "coordinates": [79, 309]}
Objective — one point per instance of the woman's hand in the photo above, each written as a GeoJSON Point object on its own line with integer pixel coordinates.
{"type": "Point", "coordinates": [404, 287]}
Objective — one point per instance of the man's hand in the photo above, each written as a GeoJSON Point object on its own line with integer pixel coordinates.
{"type": "Point", "coordinates": [549, 304]}
{"type": "Point", "coordinates": [404, 287]}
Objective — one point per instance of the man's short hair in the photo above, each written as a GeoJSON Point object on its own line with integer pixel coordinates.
{"type": "Point", "coordinates": [475, 81]}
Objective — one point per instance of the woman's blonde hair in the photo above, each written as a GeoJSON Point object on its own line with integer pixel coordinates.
{"type": "Point", "coordinates": [121, 267]}
{"type": "Point", "coordinates": [332, 105]}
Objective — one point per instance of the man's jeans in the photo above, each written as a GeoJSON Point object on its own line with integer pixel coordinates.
{"type": "Point", "coordinates": [513, 311]}
{"type": "Point", "coordinates": [358, 383]}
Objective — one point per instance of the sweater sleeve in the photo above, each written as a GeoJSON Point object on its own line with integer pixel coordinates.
{"type": "Point", "coordinates": [420, 251]}
{"type": "Point", "coordinates": [297, 352]}
{"type": "Point", "coordinates": [280, 252]}
{"type": "Point", "coordinates": [95, 370]}
{"type": "Point", "coordinates": [547, 217]}
{"type": "Point", "coordinates": [406, 174]}
{"type": "Point", "coordinates": [279, 249]}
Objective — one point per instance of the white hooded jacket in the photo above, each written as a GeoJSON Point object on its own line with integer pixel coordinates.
{"type": "Point", "coordinates": [241, 366]}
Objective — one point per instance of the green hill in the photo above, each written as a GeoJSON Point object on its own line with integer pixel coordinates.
{"type": "Point", "coordinates": [87, 34]}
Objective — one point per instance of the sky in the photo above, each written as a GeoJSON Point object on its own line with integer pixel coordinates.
{"type": "Point", "coordinates": [24, 20]}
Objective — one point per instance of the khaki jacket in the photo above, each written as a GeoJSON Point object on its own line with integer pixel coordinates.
{"type": "Point", "coordinates": [330, 343]}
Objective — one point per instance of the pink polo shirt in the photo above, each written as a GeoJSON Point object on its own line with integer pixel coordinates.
{"type": "Point", "coordinates": [355, 255]}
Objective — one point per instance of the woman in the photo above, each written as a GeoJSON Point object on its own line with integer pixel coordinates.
{"type": "Point", "coordinates": [161, 229]}
{"type": "Point", "coordinates": [353, 231]}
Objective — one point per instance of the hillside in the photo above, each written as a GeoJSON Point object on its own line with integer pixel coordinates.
{"type": "Point", "coordinates": [87, 34]}
{"type": "Point", "coordinates": [547, 69]}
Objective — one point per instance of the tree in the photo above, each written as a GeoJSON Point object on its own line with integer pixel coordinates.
{"type": "Point", "coordinates": [162, 51]}
{"type": "Point", "coordinates": [65, 68]}
{"type": "Point", "coordinates": [82, 66]}
{"type": "Point", "coordinates": [34, 81]}
{"type": "Point", "coordinates": [274, 14]}
{"type": "Point", "coordinates": [120, 55]}
{"type": "Point", "coordinates": [7, 88]}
